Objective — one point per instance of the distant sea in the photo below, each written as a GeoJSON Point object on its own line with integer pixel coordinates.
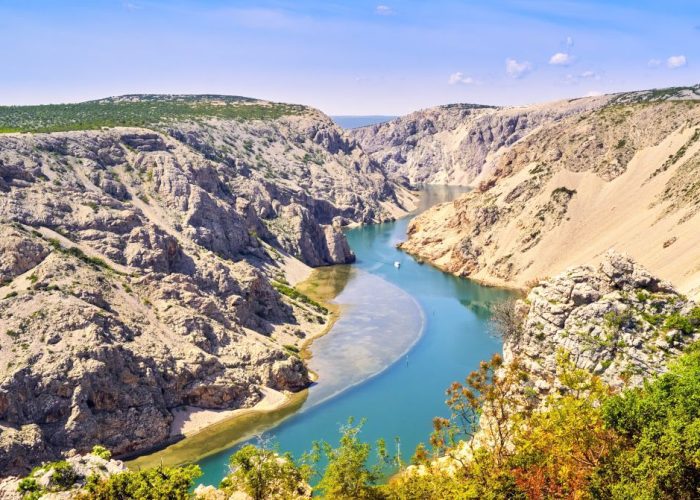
{"type": "Point", "coordinates": [355, 121]}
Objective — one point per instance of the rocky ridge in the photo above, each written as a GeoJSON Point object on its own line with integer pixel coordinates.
{"type": "Point", "coordinates": [144, 269]}
{"type": "Point", "coordinates": [610, 174]}
{"type": "Point", "coordinates": [459, 143]}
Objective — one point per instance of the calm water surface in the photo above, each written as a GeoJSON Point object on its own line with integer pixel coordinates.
{"type": "Point", "coordinates": [404, 335]}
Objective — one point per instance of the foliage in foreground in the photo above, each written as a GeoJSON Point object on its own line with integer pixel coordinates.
{"type": "Point", "coordinates": [160, 483]}
{"type": "Point", "coordinates": [588, 443]}
{"type": "Point", "coordinates": [641, 444]}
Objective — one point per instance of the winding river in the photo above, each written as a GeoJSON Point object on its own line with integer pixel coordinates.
{"type": "Point", "coordinates": [404, 334]}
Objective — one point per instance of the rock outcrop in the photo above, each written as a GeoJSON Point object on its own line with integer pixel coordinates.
{"type": "Point", "coordinates": [616, 321]}
{"type": "Point", "coordinates": [61, 480]}
{"type": "Point", "coordinates": [137, 269]}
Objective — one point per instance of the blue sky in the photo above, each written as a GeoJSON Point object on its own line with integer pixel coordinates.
{"type": "Point", "coordinates": [360, 57]}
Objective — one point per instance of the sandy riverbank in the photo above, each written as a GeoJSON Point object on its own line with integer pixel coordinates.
{"type": "Point", "coordinates": [208, 431]}
{"type": "Point", "coordinates": [190, 420]}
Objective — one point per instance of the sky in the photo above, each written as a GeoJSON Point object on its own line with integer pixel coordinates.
{"type": "Point", "coordinates": [350, 58]}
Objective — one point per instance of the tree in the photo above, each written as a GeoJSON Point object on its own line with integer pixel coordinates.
{"type": "Point", "coordinates": [660, 424]}
{"type": "Point", "coordinates": [264, 474]}
{"type": "Point", "coordinates": [160, 483]}
{"type": "Point", "coordinates": [348, 475]}
{"type": "Point", "coordinates": [507, 319]}
{"type": "Point", "coordinates": [477, 436]}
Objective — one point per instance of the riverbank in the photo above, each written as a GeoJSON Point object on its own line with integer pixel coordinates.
{"type": "Point", "coordinates": [193, 428]}
{"type": "Point", "coordinates": [219, 435]}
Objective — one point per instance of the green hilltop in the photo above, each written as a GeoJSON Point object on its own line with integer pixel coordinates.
{"type": "Point", "coordinates": [147, 110]}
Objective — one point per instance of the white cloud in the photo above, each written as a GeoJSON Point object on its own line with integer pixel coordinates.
{"type": "Point", "coordinates": [517, 69]}
{"type": "Point", "coordinates": [561, 59]}
{"type": "Point", "coordinates": [569, 41]}
{"type": "Point", "coordinates": [384, 10]}
{"type": "Point", "coordinates": [676, 62]}
{"type": "Point", "coordinates": [590, 74]}
{"type": "Point", "coordinates": [460, 77]}
{"type": "Point", "coordinates": [654, 63]}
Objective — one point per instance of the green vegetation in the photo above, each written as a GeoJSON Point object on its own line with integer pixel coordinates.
{"type": "Point", "coordinates": [563, 190]}
{"type": "Point", "coordinates": [101, 451]}
{"type": "Point", "coordinates": [653, 95]}
{"type": "Point", "coordinates": [295, 294]}
{"type": "Point", "coordinates": [673, 159]}
{"type": "Point", "coordinates": [658, 437]}
{"type": "Point", "coordinates": [584, 442]}
{"type": "Point", "coordinates": [643, 443]}
{"type": "Point", "coordinates": [263, 474]}
{"type": "Point", "coordinates": [79, 254]}
{"type": "Point", "coordinates": [347, 475]}
{"type": "Point", "coordinates": [292, 349]}
{"type": "Point", "coordinates": [137, 111]}
{"type": "Point", "coordinates": [161, 483]}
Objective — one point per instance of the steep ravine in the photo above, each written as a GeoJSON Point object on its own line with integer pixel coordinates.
{"type": "Point", "coordinates": [145, 269]}
{"type": "Point", "coordinates": [555, 185]}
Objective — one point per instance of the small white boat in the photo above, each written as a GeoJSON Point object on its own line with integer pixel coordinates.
{"type": "Point", "coordinates": [397, 264]}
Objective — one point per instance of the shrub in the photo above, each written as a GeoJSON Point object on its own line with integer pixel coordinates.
{"type": "Point", "coordinates": [265, 474]}
{"type": "Point", "coordinates": [101, 451]}
{"type": "Point", "coordinates": [660, 425]}
{"type": "Point", "coordinates": [348, 475]}
{"type": "Point", "coordinates": [63, 476]}
{"type": "Point", "coordinates": [159, 483]}
{"type": "Point", "coordinates": [507, 320]}
{"type": "Point", "coordinates": [677, 321]}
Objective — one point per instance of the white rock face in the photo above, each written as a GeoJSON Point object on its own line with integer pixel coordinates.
{"type": "Point", "coordinates": [593, 174]}
{"type": "Point", "coordinates": [459, 143]}
{"type": "Point", "coordinates": [136, 269]}
{"type": "Point", "coordinates": [614, 321]}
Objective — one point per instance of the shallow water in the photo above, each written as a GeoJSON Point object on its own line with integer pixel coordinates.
{"type": "Point", "coordinates": [402, 337]}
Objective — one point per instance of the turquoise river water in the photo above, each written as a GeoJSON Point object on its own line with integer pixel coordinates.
{"type": "Point", "coordinates": [404, 335]}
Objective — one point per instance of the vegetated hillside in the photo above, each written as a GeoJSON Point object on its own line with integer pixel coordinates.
{"type": "Point", "coordinates": [145, 110]}
{"type": "Point", "coordinates": [143, 269]}
{"type": "Point", "coordinates": [625, 175]}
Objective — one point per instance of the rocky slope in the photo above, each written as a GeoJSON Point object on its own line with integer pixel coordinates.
{"type": "Point", "coordinates": [620, 172]}
{"type": "Point", "coordinates": [458, 143]}
{"type": "Point", "coordinates": [144, 269]}
{"type": "Point", "coordinates": [616, 321]}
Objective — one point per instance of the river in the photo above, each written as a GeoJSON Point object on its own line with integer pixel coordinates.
{"type": "Point", "coordinates": [404, 334]}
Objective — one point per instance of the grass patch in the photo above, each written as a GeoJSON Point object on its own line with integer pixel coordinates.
{"type": "Point", "coordinates": [295, 294]}
{"type": "Point", "coordinates": [79, 254]}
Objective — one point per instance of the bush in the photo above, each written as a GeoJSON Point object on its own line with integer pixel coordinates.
{"type": "Point", "coordinates": [348, 475]}
{"type": "Point", "coordinates": [27, 485]}
{"type": "Point", "coordinates": [264, 474]}
{"type": "Point", "coordinates": [660, 424]}
{"type": "Point", "coordinates": [507, 320]}
{"type": "Point", "coordinates": [101, 451]}
{"type": "Point", "coordinates": [63, 476]}
{"type": "Point", "coordinates": [160, 483]}
{"type": "Point", "coordinates": [676, 321]}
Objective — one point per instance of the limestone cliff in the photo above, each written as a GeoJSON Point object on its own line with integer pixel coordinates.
{"type": "Point", "coordinates": [616, 321]}
{"type": "Point", "coordinates": [140, 266]}
{"type": "Point", "coordinates": [618, 172]}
